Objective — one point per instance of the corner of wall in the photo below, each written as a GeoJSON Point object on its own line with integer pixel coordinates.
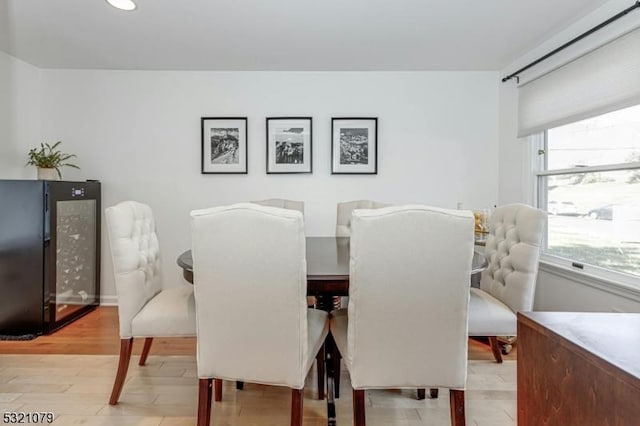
{"type": "Point", "coordinates": [20, 115]}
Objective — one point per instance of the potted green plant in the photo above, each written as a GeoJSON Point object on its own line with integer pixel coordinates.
{"type": "Point", "coordinates": [48, 159]}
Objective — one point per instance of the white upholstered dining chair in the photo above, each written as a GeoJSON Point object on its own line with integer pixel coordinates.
{"type": "Point", "coordinates": [508, 284]}
{"type": "Point", "coordinates": [343, 216]}
{"type": "Point", "coordinates": [282, 203]}
{"type": "Point", "coordinates": [406, 323]}
{"type": "Point", "coordinates": [145, 308]}
{"type": "Point", "coordinates": [254, 258]}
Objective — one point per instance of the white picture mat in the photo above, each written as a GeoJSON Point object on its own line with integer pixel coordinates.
{"type": "Point", "coordinates": [273, 125]}
{"type": "Point", "coordinates": [369, 124]}
{"type": "Point", "coordinates": [241, 125]}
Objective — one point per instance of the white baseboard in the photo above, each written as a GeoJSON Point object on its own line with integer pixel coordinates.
{"type": "Point", "coordinates": [108, 300]}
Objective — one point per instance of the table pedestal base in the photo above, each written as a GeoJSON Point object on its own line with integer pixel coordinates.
{"type": "Point", "coordinates": [331, 357]}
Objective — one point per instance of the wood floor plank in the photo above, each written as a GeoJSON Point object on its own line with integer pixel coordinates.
{"type": "Point", "coordinates": [152, 400]}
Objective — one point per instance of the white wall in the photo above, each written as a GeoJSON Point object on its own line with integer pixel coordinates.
{"type": "Point", "coordinates": [19, 116]}
{"type": "Point", "coordinates": [560, 289]}
{"type": "Point", "coordinates": [139, 133]}
{"type": "Point", "coordinates": [556, 291]}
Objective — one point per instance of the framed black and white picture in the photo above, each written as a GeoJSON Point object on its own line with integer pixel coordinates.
{"type": "Point", "coordinates": [224, 145]}
{"type": "Point", "coordinates": [354, 145]}
{"type": "Point", "coordinates": [289, 145]}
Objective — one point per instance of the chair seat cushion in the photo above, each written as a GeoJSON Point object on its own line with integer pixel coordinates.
{"type": "Point", "coordinates": [490, 317]}
{"type": "Point", "coordinates": [318, 328]}
{"type": "Point", "coordinates": [338, 325]}
{"type": "Point", "coordinates": [169, 313]}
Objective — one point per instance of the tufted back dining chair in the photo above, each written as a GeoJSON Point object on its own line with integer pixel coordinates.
{"type": "Point", "coordinates": [145, 308]}
{"type": "Point", "coordinates": [406, 324]}
{"type": "Point", "coordinates": [254, 258]}
{"type": "Point", "coordinates": [343, 217]}
{"type": "Point", "coordinates": [508, 284]}
{"type": "Point", "coordinates": [282, 203]}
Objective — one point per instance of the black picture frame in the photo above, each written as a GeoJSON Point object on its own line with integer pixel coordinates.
{"type": "Point", "coordinates": [228, 153]}
{"type": "Point", "coordinates": [354, 145]}
{"type": "Point", "coordinates": [298, 132]}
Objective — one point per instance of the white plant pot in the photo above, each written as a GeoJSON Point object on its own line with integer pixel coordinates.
{"type": "Point", "coordinates": [47, 174]}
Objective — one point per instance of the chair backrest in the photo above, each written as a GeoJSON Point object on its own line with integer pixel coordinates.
{"type": "Point", "coordinates": [343, 217]}
{"type": "Point", "coordinates": [136, 258]}
{"type": "Point", "coordinates": [282, 203]}
{"type": "Point", "coordinates": [513, 252]}
{"type": "Point", "coordinates": [409, 297]}
{"type": "Point", "coordinates": [250, 282]}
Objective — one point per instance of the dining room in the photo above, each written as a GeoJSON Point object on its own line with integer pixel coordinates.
{"type": "Point", "coordinates": [217, 169]}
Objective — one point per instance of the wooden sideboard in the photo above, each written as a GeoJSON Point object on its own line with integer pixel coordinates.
{"type": "Point", "coordinates": [577, 368]}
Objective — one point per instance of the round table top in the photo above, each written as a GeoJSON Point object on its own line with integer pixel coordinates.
{"type": "Point", "coordinates": [328, 259]}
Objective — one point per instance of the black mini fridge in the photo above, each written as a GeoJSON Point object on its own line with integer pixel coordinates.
{"type": "Point", "coordinates": [49, 254]}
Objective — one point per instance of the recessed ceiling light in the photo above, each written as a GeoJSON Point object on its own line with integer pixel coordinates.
{"type": "Point", "coordinates": [127, 5]}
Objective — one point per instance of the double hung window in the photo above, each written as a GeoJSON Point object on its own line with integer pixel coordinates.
{"type": "Point", "coordinates": [588, 179]}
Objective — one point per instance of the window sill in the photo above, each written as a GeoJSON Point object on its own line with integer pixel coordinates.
{"type": "Point", "coordinates": [629, 290]}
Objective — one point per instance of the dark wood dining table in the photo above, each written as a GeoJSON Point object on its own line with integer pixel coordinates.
{"type": "Point", "coordinates": [327, 266]}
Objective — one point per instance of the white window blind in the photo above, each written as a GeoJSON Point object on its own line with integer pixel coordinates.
{"type": "Point", "coordinates": [604, 80]}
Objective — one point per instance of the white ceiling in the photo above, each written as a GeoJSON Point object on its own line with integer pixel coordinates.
{"type": "Point", "coordinates": [282, 34]}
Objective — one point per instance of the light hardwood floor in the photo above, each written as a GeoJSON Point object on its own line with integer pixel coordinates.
{"type": "Point", "coordinates": [70, 373]}
{"type": "Point", "coordinates": [96, 333]}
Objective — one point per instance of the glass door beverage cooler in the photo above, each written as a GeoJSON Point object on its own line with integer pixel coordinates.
{"type": "Point", "coordinates": [49, 254]}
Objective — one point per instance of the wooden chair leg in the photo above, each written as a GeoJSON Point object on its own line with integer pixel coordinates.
{"type": "Point", "coordinates": [218, 391]}
{"type": "Point", "coordinates": [336, 369]}
{"type": "Point", "coordinates": [145, 350]}
{"type": "Point", "coordinates": [126, 345]}
{"type": "Point", "coordinates": [296, 407]}
{"type": "Point", "coordinates": [320, 368]}
{"type": "Point", "coordinates": [239, 385]}
{"type": "Point", "coordinates": [205, 390]}
{"type": "Point", "coordinates": [456, 402]}
{"type": "Point", "coordinates": [358, 408]}
{"type": "Point", "coordinates": [433, 393]}
{"type": "Point", "coordinates": [495, 348]}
